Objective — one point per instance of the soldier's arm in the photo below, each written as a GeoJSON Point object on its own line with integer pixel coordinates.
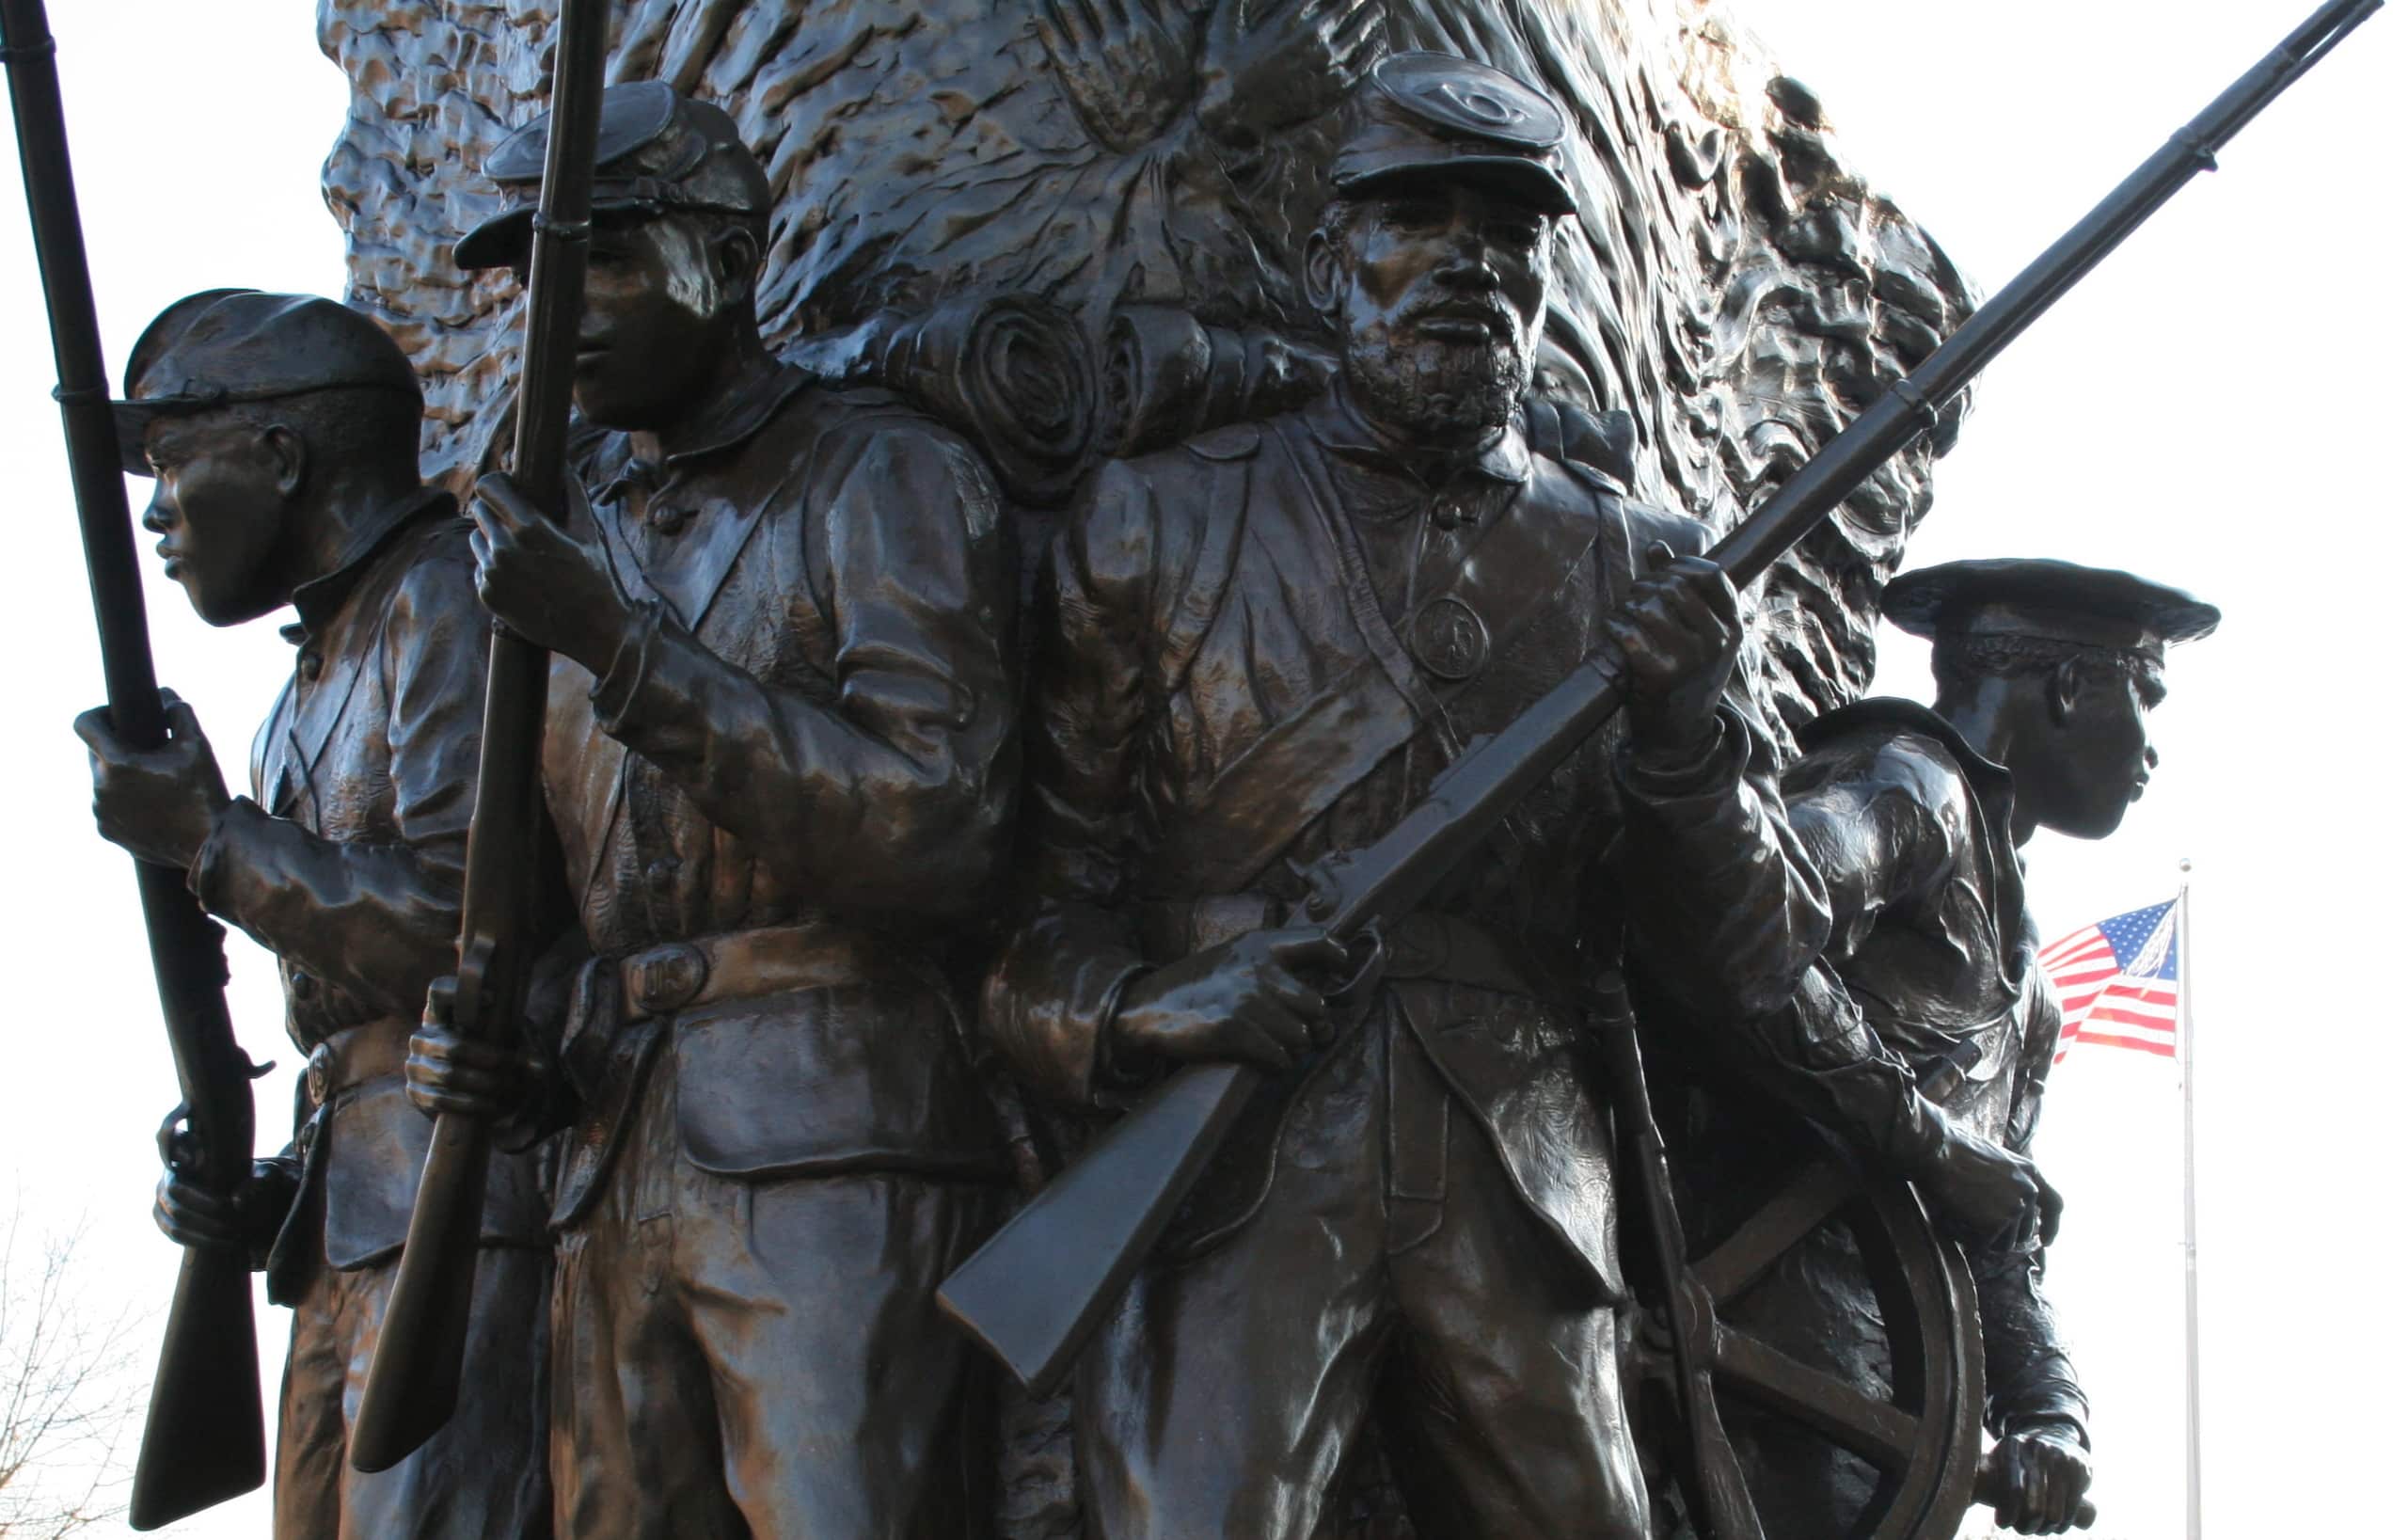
{"type": "Point", "coordinates": [1725, 912]}
{"type": "Point", "coordinates": [377, 917]}
{"type": "Point", "coordinates": [2028, 1374]}
{"type": "Point", "coordinates": [896, 792]}
{"type": "Point", "coordinates": [1055, 985]}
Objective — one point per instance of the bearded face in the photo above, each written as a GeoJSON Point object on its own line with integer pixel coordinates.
{"type": "Point", "coordinates": [1440, 287]}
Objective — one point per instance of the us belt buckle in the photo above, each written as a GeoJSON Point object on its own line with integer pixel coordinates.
{"type": "Point", "coordinates": [322, 1059]}
{"type": "Point", "coordinates": [1450, 639]}
{"type": "Point", "coordinates": [665, 977]}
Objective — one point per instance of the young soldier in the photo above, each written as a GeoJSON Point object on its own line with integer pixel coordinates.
{"type": "Point", "coordinates": [781, 758]}
{"type": "Point", "coordinates": [281, 432]}
{"type": "Point", "coordinates": [1264, 645]}
{"type": "Point", "coordinates": [1916, 818]}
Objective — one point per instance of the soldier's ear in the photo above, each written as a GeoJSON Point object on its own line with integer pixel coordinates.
{"type": "Point", "coordinates": [292, 454]}
{"type": "Point", "coordinates": [737, 252]}
{"type": "Point", "coordinates": [2064, 691]}
{"type": "Point", "coordinates": [1324, 274]}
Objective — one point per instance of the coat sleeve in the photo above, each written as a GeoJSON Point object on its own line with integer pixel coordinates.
{"type": "Point", "coordinates": [896, 793]}
{"type": "Point", "coordinates": [1052, 991]}
{"type": "Point", "coordinates": [377, 917]}
{"type": "Point", "coordinates": [1882, 828]}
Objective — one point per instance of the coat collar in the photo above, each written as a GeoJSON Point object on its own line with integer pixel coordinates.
{"type": "Point", "coordinates": [1338, 424]}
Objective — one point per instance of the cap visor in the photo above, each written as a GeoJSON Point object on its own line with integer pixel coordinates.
{"type": "Point", "coordinates": [1542, 188]}
{"type": "Point", "coordinates": [499, 242]}
{"type": "Point", "coordinates": [133, 419]}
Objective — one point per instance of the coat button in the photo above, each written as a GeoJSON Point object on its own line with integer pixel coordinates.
{"type": "Point", "coordinates": [668, 519]}
{"type": "Point", "coordinates": [311, 666]}
{"type": "Point", "coordinates": [662, 874]}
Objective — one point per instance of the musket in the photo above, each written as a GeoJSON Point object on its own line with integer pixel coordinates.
{"type": "Point", "coordinates": [203, 1440]}
{"type": "Point", "coordinates": [414, 1379]}
{"type": "Point", "coordinates": [1041, 1284]}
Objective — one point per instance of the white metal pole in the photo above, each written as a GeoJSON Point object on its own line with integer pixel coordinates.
{"type": "Point", "coordinates": [2190, 1207]}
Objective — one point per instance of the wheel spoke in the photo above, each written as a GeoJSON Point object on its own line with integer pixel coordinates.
{"type": "Point", "coordinates": [1859, 1422]}
{"type": "Point", "coordinates": [1822, 1190]}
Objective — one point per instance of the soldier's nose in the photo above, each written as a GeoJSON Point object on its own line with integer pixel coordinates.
{"type": "Point", "coordinates": [2149, 756]}
{"type": "Point", "coordinates": [155, 516]}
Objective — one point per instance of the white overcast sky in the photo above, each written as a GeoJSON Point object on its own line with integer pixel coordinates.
{"type": "Point", "coordinates": [2213, 408]}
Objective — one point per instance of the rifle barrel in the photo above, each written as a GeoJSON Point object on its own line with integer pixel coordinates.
{"type": "Point", "coordinates": [414, 1381]}
{"type": "Point", "coordinates": [203, 1439]}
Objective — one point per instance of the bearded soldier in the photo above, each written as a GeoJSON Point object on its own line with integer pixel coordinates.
{"type": "Point", "coordinates": [780, 753]}
{"type": "Point", "coordinates": [1266, 644]}
{"type": "Point", "coordinates": [281, 434]}
{"type": "Point", "coordinates": [1916, 818]}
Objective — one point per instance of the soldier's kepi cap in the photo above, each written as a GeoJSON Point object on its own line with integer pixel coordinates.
{"type": "Point", "coordinates": [2038, 598]}
{"type": "Point", "coordinates": [1420, 114]}
{"type": "Point", "coordinates": [223, 347]}
{"type": "Point", "coordinates": [657, 150]}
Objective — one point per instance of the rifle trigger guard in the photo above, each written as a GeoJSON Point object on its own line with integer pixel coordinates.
{"type": "Point", "coordinates": [1372, 948]}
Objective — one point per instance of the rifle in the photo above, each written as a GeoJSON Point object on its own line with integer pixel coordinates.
{"type": "Point", "coordinates": [203, 1440]}
{"type": "Point", "coordinates": [1042, 1282]}
{"type": "Point", "coordinates": [414, 1381]}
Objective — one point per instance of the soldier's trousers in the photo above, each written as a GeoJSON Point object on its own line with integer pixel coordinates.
{"type": "Point", "coordinates": [482, 1478]}
{"type": "Point", "coordinates": [1392, 1274]}
{"type": "Point", "coordinates": [764, 1358]}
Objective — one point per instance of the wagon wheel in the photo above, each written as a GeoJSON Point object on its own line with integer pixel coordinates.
{"type": "Point", "coordinates": [1926, 1440]}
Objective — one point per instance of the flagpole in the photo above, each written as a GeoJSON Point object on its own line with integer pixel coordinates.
{"type": "Point", "coordinates": [2190, 1207]}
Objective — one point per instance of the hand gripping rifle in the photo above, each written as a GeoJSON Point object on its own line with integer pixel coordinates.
{"type": "Point", "coordinates": [414, 1381]}
{"type": "Point", "coordinates": [203, 1440]}
{"type": "Point", "coordinates": [1041, 1284]}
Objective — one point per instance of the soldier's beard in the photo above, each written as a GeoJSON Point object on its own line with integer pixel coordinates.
{"type": "Point", "coordinates": [1434, 392]}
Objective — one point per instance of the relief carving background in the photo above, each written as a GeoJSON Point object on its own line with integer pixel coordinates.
{"type": "Point", "coordinates": [1070, 227]}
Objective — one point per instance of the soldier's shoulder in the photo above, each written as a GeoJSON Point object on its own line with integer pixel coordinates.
{"type": "Point", "coordinates": [437, 569]}
{"type": "Point", "coordinates": [1892, 742]}
{"type": "Point", "coordinates": [836, 416]}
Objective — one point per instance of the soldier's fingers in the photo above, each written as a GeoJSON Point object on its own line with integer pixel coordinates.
{"type": "Point", "coordinates": [2052, 1209]}
{"type": "Point", "coordinates": [1660, 556]}
{"type": "Point", "coordinates": [1712, 587]}
{"type": "Point", "coordinates": [498, 503]}
{"type": "Point", "coordinates": [1310, 950]}
{"type": "Point", "coordinates": [93, 728]}
{"type": "Point", "coordinates": [1287, 1034]}
{"type": "Point", "coordinates": [1300, 997]}
{"type": "Point", "coordinates": [183, 724]}
{"type": "Point", "coordinates": [439, 995]}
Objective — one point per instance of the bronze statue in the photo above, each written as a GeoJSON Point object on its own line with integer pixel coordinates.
{"type": "Point", "coordinates": [781, 755]}
{"type": "Point", "coordinates": [1915, 817]}
{"type": "Point", "coordinates": [1268, 642]}
{"type": "Point", "coordinates": [281, 433]}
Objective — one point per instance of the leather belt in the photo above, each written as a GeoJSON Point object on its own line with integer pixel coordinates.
{"type": "Point", "coordinates": [1423, 944]}
{"type": "Point", "coordinates": [736, 965]}
{"type": "Point", "coordinates": [357, 1054]}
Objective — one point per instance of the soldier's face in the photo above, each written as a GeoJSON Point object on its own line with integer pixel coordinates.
{"type": "Point", "coordinates": [218, 498]}
{"type": "Point", "coordinates": [2098, 755]}
{"type": "Point", "coordinates": [656, 325]}
{"type": "Point", "coordinates": [1441, 286]}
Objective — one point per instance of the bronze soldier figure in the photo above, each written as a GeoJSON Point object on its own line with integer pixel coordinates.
{"type": "Point", "coordinates": [1267, 642]}
{"type": "Point", "coordinates": [1916, 818]}
{"type": "Point", "coordinates": [781, 755]}
{"type": "Point", "coordinates": [281, 432]}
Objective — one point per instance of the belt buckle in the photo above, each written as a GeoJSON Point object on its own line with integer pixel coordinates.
{"type": "Point", "coordinates": [661, 978]}
{"type": "Point", "coordinates": [322, 1060]}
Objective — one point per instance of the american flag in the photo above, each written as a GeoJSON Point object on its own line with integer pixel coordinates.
{"type": "Point", "coordinates": [2117, 981]}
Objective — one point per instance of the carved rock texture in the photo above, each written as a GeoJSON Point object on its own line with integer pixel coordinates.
{"type": "Point", "coordinates": [1732, 284]}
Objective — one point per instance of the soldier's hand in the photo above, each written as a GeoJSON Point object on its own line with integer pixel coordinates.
{"type": "Point", "coordinates": [1679, 635]}
{"type": "Point", "coordinates": [448, 1072]}
{"type": "Point", "coordinates": [2044, 1471]}
{"type": "Point", "coordinates": [1987, 1196]}
{"type": "Point", "coordinates": [1255, 1000]}
{"type": "Point", "coordinates": [545, 580]}
{"type": "Point", "coordinates": [160, 803]}
{"type": "Point", "coordinates": [190, 1215]}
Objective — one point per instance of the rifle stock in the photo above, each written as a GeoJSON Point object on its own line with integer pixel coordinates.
{"type": "Point", "coordinates": [203, 1439]}
{"type": "Point", "coordinates": [1030, 1292]}
{"type": "Point", "coordinates": [414, 1381]}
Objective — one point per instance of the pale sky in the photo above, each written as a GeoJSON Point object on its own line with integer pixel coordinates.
{"type": "Point", "coordinates": [2205, 411]}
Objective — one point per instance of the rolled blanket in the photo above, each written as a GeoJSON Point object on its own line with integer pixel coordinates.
{"type": "Point", "coordinates": [1011, 373]}
{"type": "Point", "coordinates": [1167, 376]}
